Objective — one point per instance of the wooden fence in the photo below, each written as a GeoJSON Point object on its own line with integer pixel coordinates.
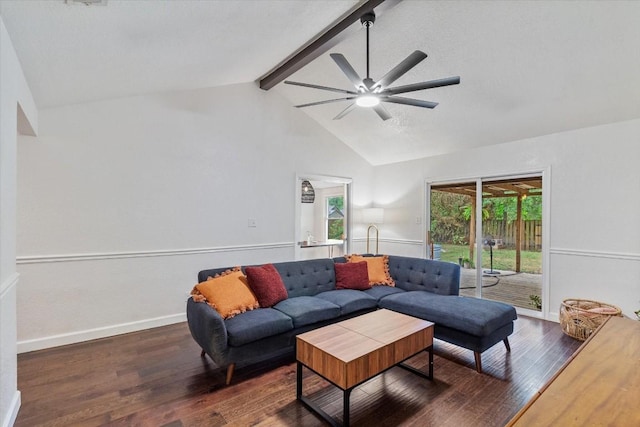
{"type": "Point", "coordinates": [506, 232]}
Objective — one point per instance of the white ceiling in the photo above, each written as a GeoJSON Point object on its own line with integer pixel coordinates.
{"type": "Point", "coordinates": [527, 68]}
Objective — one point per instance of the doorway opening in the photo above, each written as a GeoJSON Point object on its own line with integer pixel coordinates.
{"type": "Point", "coordinates": [323, 221]}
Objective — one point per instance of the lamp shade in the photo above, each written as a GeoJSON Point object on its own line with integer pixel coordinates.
{"type": "Point", "coordinates": [373, 215]}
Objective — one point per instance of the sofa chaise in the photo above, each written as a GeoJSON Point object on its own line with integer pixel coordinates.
{"type": "Point", "coordinates": [423, 288]}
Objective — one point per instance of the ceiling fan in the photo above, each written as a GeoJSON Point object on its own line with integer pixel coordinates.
{"type": "Point", "coordinates": [370, 93]}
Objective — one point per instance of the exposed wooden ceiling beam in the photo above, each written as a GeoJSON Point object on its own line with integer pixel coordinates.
{"type": "Point", "coordinates": [322, 43]}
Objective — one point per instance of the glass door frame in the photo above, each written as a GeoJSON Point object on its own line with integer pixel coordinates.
{"type": "Point", "coordinates": [545, 173]}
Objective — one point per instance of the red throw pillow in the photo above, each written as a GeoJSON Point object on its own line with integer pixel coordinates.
{"type": "Point", "coordinates": [266, 284]}
{"type": "Point", "coordinates": [352, 275]}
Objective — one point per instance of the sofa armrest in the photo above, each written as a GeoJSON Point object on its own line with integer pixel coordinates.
{"type": "Point", "coordinates": [208, 329]}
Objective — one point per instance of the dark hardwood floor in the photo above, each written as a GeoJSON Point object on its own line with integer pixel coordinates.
{"type": "Point", "coordinates": [157, 378]}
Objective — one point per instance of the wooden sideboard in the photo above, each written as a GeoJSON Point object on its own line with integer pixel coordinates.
{"type": "Point", "coordinates": [598, 386]}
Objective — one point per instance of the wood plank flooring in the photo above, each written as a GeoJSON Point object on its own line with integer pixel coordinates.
{"type": "Point", "coordinates": [157, 378]}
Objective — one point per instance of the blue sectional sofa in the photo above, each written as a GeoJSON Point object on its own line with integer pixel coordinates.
{"type": "Point", "coordinates": [423, 288]}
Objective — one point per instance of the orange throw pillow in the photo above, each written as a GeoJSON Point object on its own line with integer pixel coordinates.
{"type": "Point", "coordinates": [228, 293]}
{"type": "Point", "coordinates": [378, 268]}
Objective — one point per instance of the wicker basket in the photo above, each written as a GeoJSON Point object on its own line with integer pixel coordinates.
{"type": "Point", "coordinates": [579, 318]}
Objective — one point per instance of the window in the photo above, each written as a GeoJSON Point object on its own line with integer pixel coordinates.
{"type": "Point", "coordinates": [335, 217]}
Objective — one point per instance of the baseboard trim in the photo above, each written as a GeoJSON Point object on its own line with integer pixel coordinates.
{"type": "Point", "coordinates": [595, 254]}
{"type": "Point", "coordinates": [12, 413]}
{"type": "Point", "coordinates": [37, 259]}
{"type": "Point", "coordinates": [96, 333]}
{"type": "Point", "coordinates": [554, 317]}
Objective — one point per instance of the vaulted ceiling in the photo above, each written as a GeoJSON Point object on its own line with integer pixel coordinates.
{"type": "Point", "coordinates": [527, 68]}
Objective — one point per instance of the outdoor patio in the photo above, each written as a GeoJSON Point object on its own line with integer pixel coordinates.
{"type": "Point", "coordinates": [508, 286]}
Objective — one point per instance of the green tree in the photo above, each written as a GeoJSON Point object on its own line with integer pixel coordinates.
{"type": "Point", "coordinates": [505, 208]}
{"type": "Point", "coordinates": [335, 215]}
{"type": "Point", "coordinates": [448, 223]}
{"type": "Point", "coordinates": [337, 201]}
{"type": "Point", "coordinates": [451, 213]}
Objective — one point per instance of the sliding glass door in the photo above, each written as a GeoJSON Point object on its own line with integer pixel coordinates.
{"type": "Point", "coordinates": [492, 227]}
{"type": "Point", "coordinates": [452, 227]}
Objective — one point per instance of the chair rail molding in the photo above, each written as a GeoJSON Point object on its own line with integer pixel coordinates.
{"type": "Point", "coordinates": [38, 259]}
{"type": "Point", "coordinates": [595, 254]}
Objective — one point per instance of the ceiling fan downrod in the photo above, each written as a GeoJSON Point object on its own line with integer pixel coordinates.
{"type": "Point", "coordinates": [367, 21]}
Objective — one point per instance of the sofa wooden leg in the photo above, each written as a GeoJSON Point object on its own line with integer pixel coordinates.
{"type": "Point", "coordinates": [506, 344]}
{"type": "Point", "coordinates": [476, 354]}
{"type": "Point", "coordinates": [230, 369]}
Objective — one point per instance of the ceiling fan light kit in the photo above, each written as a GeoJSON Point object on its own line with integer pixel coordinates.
{"type": "Point", "coordinates": [369, 93]}
{"type": "Point", "coordinates": [367, 100]}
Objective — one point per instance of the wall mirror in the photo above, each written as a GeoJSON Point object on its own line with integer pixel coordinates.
{"type": "Point", "coordinates": [323, 216]}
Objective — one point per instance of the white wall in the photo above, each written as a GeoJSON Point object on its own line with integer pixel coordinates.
{"type": "Point", "coordinates": [122, 202]}
{"type": "Point", "coordinates": [17, 111]}
{"type": "Point", "coordinates": [594, 181]}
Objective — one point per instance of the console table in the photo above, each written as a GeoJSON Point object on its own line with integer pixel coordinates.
{"type": "Point", "coordinates": [329, 243]}
{"type": "Point", "coordinates": [599, 385]}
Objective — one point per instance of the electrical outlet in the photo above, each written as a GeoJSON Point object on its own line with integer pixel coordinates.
{"type": "Point", "coordinates": [252, 223]}
{"type": "Point", "coordinates": [418, 220]}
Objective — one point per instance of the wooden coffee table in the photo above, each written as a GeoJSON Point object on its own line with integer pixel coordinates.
{"type": "Point", "coordinates": [353, 351]}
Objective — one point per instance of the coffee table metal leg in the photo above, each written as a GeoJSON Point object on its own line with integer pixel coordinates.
{"type": "Point", "coordinates": [345, 407]}
{"type": "Point", "coordinates": [315, 408]}
{"type": "Point", "coordinates": [346, 397]}
{"type": "Point", "coordinates": [430, 362]}
{"type": "Point", "coordinates": [299, 381]}
{"type": "Point", "coordinates": [419, 372]}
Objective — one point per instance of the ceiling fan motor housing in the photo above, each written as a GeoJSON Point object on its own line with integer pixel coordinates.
{"type": "Point", "coordinates": [368, 19]}
{"type": "Point", "coordinates": [368, 83]}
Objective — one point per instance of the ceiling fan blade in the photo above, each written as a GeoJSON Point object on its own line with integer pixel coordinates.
{"type": "Point", "coordinates": [328, 101]}
{"type": "Point", "coordinates": [347, 69]}
{"type": "Point", "coordinates": [421, 86]}
{"type": "Point", "coordinates": [345, 111]}
{"type": "Point", "coordinates": [409, 101]}
{"type": "Point", "coordinates": [382, 112]}
{"type": "Point", "coordinates": [399, 70]}
{"type": "Point", "coordinates": [332, 89]}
